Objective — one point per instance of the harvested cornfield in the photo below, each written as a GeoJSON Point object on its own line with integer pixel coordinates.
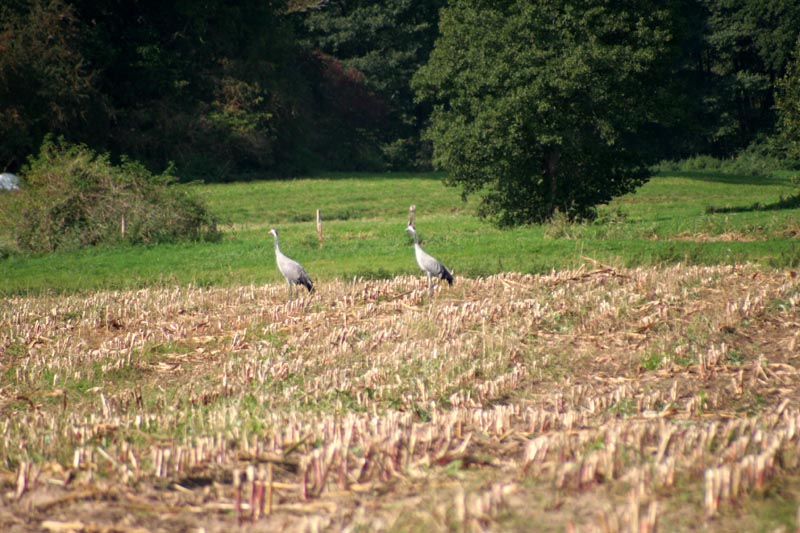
{"type": "Point", "coordinates": [595, 399]}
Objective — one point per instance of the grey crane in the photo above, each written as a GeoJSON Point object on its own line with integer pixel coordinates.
{"type": "Point", "coordinates": [431, 266]}
{"type": "Point", "coordinates": [293, 271]}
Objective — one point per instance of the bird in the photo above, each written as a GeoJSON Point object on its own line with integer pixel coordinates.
{"type": "Point", "coordinates": [293, 271]}
{"type": "Point", "coordinates": [429, 264]}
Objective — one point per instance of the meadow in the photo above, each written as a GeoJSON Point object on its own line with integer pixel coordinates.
{"type": "Point", "coordinates": [692, 218]}
{"type": "Point", "coordinates": [635, 374]}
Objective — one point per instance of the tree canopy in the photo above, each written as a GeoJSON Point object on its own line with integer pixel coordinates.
{"type": "Point", "coordinates": [748, 46]}
{"type": "Point", "coordinates": [788, 105]}
{"type": "Point", "coordinates": [386, 41]}
{"type": "Point", "coordinates": [545, 106]}
{"type": "Point", "coordinates": [280, 87]}
{"type": "Point", "coordinates": [46, 84]}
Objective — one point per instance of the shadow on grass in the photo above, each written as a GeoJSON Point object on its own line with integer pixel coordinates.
{"type": "Point", "coordinates": [717, 176]}
{"type": "Point", "coordinates": [791, 202]}
{"type": "Point", "coordinates": [332, 175]}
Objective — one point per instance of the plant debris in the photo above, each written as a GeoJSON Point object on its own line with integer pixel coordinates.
{"type": "Point", "coordinates": [616, 399]}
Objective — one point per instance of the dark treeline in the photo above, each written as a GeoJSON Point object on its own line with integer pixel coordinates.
{"type": "Point", "coordinates": [224, 88]}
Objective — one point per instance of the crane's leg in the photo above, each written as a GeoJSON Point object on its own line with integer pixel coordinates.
{"type": "Point", "coordinates": [430, 285]}
{"type": "Point", "coordinates": [290, 289]}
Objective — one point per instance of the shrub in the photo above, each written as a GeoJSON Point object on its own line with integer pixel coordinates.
{"type": "Point", "coordinates": [759, 159]}
{"type": "Point", "coordinates": [73, 197]}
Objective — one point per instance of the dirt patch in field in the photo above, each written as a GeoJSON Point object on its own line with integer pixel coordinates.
{"type": "Point", "coordinates": [590, 399]}
{"type": "Point", "coordinates": [729, 236]}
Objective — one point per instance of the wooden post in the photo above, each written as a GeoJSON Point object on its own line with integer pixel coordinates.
{"type": "Point", "coordinates": [411, 212]}
{"type": "Point", "coordinates": [269, 489]}
{"type": "Point", "coordinates": [319, 227]}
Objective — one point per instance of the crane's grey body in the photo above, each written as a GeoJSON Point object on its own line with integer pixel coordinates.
{"type": "Point", "coordinates": [429, 264]}
{"type": "Point", "coordinates": [293, 271]}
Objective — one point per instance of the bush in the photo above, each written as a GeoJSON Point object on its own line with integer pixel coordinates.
{"type": "Point", "coordinates": [759, 159]}
{"type": "Point", "coordinates": [73, 197]}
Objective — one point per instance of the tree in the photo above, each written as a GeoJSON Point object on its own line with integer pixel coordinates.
{"type": "Point", "coordinates": [210, 86]}
{"type": "Point", "coordinates": [386, 41]}
{"type": "Point", "coordinates": [45, 81]}
{"type": "Point", "coordinates": [206, 85]}
{"type": "Point", "coordinates": [341, 123]}
{"type": "Point", "coordinates": [748, 47]}
{"type": "Point", "coordinates": [546, 106]}
{"type": "Point", "coordinates": [788, 106]}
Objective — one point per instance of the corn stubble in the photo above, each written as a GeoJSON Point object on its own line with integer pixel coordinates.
{"type": "Point", "coordinates": [606, 399]}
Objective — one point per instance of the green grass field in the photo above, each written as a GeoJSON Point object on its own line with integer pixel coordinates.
{"type": "Point", "coordinates": [694, 218]}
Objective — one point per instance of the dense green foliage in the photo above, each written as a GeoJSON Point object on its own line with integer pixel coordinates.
{"type": "Point", "coordinates": [215, 88]}
{"type": "Point", "coordinates": [387, 41]}
{"type": "Point", "coordinates": [45, 82]}
{"type": "Point", "coordinates": [159, 81]}
{"type": "Point", "coordinates": [788, 104]}
{"type": "Point", "coordinates": [75, 198]}
{"type": "Point", "coordinates": [284, 87]}
{"type": "Point", "coordinates": [546, 106]}
{"type": "Point", "coordinates": [690, 217]}
{"type": "Point", "coordinates": [748, 46]}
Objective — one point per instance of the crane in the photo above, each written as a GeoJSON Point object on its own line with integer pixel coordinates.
{"type": "Point", "coordinates": [293, 271]}
{"type": "Point", "coordinates": [431, 266]}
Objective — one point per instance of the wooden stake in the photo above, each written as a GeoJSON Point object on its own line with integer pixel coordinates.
{"type": "Point", "coordinates": [251, 477]}
{"type": "Point", "coordinates": [411, 212]}
{"type": "Point", "coordinates": [319, 227]}
{"type": "Point", "coordinates": [237, 484]}
{"type": "Point", "coordinates": [269, 489]}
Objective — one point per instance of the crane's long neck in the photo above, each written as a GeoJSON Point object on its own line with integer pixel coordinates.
{"type": "Point", "coordinates": [416, 238]}
{"type": "Point", "coordinates": [277, 247]}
